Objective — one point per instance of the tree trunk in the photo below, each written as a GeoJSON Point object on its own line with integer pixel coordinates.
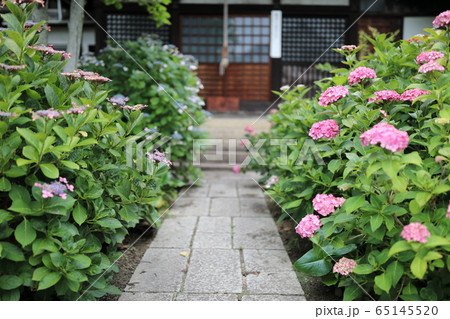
{"type": "Point", "coordinates": [41, 14]}
{"type": "Point", "coordinates": [75, 33]}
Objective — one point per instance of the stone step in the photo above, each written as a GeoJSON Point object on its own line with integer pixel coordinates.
{"type": "Point", "coordinates": [229, 157]}
{"type": "Point", "coordinates": [232, 127]}
{"type": "Point", "coordinates": [215, 166]}
{"type": "Point", "coordinates": [213, 143]}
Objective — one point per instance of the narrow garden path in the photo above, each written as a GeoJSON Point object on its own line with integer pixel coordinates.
{"type": "Point", "coordinates": [218, 242]}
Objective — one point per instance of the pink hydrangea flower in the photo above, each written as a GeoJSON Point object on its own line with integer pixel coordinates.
{"type": "Point", "coordinates": [332, 94]}
{"type": "Point", "coordinates": [236, 169]}
{"type": "Point", "coordinates": [431, 66]}
{"type": "Point", "coordinates": [442, 20]}
{"type": "Point", "coordinates": [157, 156]}
{"type": "Point", "coordinates": [11, 68]}
{"type": "Point", "coordinates": [55, 188]}
{"type": "Point", "coordinates": [326, 204]}
{"type": "Point", "coordinates": [308, 225]}
{"type": "Point", "coordinates": [385, 95]}
{"type": "Point", "coordinates": [50, 114]}
{"type": "Point", "coordinates": [348, 47]}
{"type": "Point", "coordinates": [448, 210]}
{"type": "Point", "coordinates": [97, 79]}
{"type": "Point", "coordinates": [8, 114]}
{"type": "Point", "coordinates": [344, 266]}
{"type": "Point", "coordinates": [72, 75]}
{"type": "Point", "coordinates": [411, 95]}
{"type": "Point", "coordinates": [48, 50]}
{"type": "Point", "coordinates": [273, 111]}
{"type": "Point", "coordinates": [416, 232]}
{"type": "Point", "coordinates": [136, 107]}
{"type": "Point", "coordinates": [384, 114]}
{"type": "Point", "coordinates": [250, 129]}
{"type": "Point", "coordinates": [24, 1]}
{"type": "Point", "coordinates": [439, 159]}
{"type": "Point", "coordinates": [416, 38]}
{"type": "Point", "coordinates": [324, 129]}
{"type": "Point", "coordinates": [29, 25]}
{"type": "Point", "coordinates": [360, 74]}
{"type": "Point", "coordinates": [77, 109]}
{"type": "Point", "coordinates": [429, 56]}
{"type": "Point", "coordinates": [387, 135]}
{"type": "Point", "coordinates": [118, 99]}
{"type": "Point", "coordinates": [271, 181]}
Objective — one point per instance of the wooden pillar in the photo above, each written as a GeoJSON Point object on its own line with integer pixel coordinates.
{"type": "Point", "coordinates": [354, 13]}
{"type": "Point", "coordinates": [100, 17]}
{"type": "Point", "coordinates": [276, 63]}
{"type": "Point", "coordinates": [175, 23]}
{"type": "Point", "coordinates": [41, 14]}
{"type": "Point", "coordinates": [75, 33]}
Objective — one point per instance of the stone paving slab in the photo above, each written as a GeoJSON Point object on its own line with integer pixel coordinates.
{"type": "Point", "coordinates": [266, 260]}
{"type": "Point", "coordinates": [214, 271]}
{"type": "Point", "coordinates": [254, 207]}
{"type": "Point", "coordinates": [212, 240]}
{"type": "Point", "coordinates": [225, 207]}
{"type": "Point", "coordinates": [212, 176]}
{"type": "Point", "coordinates": [206, 297]}
{"type": "Point", "coordinates": [148, 278]}
{"type": "Point", "coordinates": [143, 296]}
{"type": "Point", "coordinates": [257, 233]}
{"type": "Point", "coordinates": [250, 190]}
{"type": "Point", "coordinates": [207, 224]}
{"type": "Point", "coordinates": [195, 191]}
{"type": "Point", "coordinates": [175, 232]}
{"type": "Point", "coordinates": [223, 189]}
{"type": "Point", "coordinates": [274, 283]}
{"type": "Point", "coordinates": [191, 206]}
{"type": "Point", "coordinates": [165, 257]}
{"type": "Point", "coordinates": [218, 242]}
{"type": "Point", "coordinates": [273, 298]}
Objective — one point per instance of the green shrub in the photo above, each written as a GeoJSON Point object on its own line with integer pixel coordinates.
{"type": "Point", "coordinates": [386, 189]}
{"type": "Point", "coordinates": [160, 76]}
{"type": "Point", "coordinates": [67, 190]}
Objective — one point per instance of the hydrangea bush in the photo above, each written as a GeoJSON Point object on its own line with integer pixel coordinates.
{"type": "Point", "coordinates": [367, 170]}
{"type": "Point", "coordinates": [146, 71]}
{"type": "Point", "coordinates": [68, 192]}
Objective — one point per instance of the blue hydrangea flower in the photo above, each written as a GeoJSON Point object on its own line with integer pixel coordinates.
{"type": "Point", "coordinates": [177, 136]}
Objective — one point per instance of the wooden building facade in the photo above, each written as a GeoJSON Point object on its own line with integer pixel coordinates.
{"type": "Point", "coordinates": [308, 29]}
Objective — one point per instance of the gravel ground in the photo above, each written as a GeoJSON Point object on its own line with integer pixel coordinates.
{"type": "Point", "coordinates": [128, 263]}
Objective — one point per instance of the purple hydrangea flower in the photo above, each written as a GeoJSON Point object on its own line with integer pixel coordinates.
{"type": "Point", "coordinates": [157, 156]}
{"type": "Point", "coordinates": [57, 188]}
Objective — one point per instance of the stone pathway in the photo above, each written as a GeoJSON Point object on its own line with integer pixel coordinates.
{"type": "Point", "coordinates": [219, 242]}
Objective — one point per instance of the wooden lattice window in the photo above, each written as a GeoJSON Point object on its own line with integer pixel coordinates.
{"type": "Point", "coordinates": [128, 27]}
{"type": "Point", "coordinates": [248, 38]}
{"type": "Point", "coordinates": [306, 38]}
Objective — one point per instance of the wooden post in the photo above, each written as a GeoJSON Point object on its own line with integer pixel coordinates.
{"type": "Point", "coordinates": [100, 17]}
{"type": "Point", "coordinates": [40, 13]}
{"type": "Point", "coordinates": [354, 12]}
{"type": "Point", "coordinates": [175, 23]}
{"type": "Point", "coordinates": [276, 64]}
{"type": "Point", "coordinates": [75, 33]}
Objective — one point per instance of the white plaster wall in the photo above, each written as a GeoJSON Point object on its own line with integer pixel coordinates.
{"type": "Point", "coordinates": [58, 37]}
{"type": "Point", "coordinates": [415, 25]}
{"type": "Point", "coordinates": [290, 2]}
{"type": "Point", "coordinates": [317, 2]}
{"type": "Point", "coordinates": [229, 1]}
